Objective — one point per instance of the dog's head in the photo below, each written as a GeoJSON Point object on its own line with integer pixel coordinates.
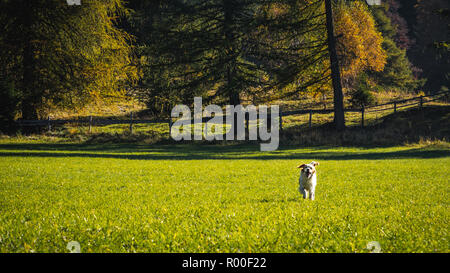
{"type": "Point", "coordinates": [308, 169]}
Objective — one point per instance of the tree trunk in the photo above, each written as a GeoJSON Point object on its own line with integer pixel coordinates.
{"type": "Point", "coordinates": [233, 93]}
{"type": "Point", "coordinates": [30, 97]}
{"type": "Point", "coordinates": [339, 118]}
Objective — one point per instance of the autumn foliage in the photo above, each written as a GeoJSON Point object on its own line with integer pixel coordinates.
{"type": "Point", "coordinates": [359, 41]}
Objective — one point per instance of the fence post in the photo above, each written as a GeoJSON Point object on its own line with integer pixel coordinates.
{"type": "Point", "coordinates": [49, 126]}
{"type": "Point", "coordinates": [131, 123]}
{"type": "Point", "coordinates": [247, 125]}
{"type": "Point", "coordinates": [281, 120]}
{"type": "Point", "coordinates": [310, 118]}
{"type": "Point", "coordinates": [90, 124]}
{"type": "Point", "coordinates": [421, 101]}
{"type": "Point", "coordinates": [362, 116]}
{"type": "Point", "coordinates": [395, 107]}
{"type": "Point", "coordinates": [204, 129]}
{"type": "Point", "coordinates": [170, 127]}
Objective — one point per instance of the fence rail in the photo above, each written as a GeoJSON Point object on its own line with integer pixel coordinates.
{"type": "Point", "coordinates": [396, 105]}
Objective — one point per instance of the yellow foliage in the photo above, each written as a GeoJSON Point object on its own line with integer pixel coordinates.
{"type": "Point", "coordinates": [359, 46]}
{"type": "Point", "coordinates": [276, 9]}
{"type": "Point", "coordinates": [359, 42]}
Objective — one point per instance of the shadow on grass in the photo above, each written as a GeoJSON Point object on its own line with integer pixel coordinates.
{"type": "Point", "coordinates": [268, 200]}
{"type": "Point", "coordinates": [207, 152]}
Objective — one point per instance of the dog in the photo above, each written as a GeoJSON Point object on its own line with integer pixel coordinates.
{"type": "Point", "coordinates": [308, 180]}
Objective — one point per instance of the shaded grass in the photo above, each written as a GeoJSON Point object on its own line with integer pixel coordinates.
{"type": "Point", "coordinates": [412, 125]}
{"type": "Point", "coordinates": [409, 126]}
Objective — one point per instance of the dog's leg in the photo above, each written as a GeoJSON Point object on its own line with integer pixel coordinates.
{"type": "Point", "coordinates": [312, 195]}
{"type": "Point", "coordinates": [305, 194]}
{"type": "Point", "coordinates": [302, 191]}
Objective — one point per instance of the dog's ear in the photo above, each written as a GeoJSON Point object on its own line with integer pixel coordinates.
{"type": "Point", "coordinates": [315, 163]}
{"type": "Point", "coordinates": [301, 166]}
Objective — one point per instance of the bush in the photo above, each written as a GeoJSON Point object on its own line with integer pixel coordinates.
{"type": "Point", "coordinates": [9, 104]}
{"type": "Point", "coordinates": [361, 94]}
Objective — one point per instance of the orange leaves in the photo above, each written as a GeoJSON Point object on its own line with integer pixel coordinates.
{"type": "Point", "coordinates": [359, 42]}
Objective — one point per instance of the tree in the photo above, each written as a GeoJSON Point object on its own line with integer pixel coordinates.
{"type": "Point", "coordinates": [361, 95]}
{"type": "Point", "coordinates": [401, 35]}
{"type": "Point", "coordinates": [339, 118]}
{"type": "Point", "coordinates": [57, 54]}
{"type": "Point", "coordinates": [397, 73]}
{"type": "Point", "coordinates": [357, 46]}
{"type": "Point", "coordinates": [8, 104]}
{"type": "Point", "coordinates": [359, 43]}
{"type": "Point", "coordinates": [148, 21]}
{"type": "Point", "coordinates": [224, 50]}
{"type": "Point", "coordinates": [431, 53]}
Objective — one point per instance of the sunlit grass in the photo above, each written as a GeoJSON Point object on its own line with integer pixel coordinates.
{"type": "Point", "coordinates": [220, 198]}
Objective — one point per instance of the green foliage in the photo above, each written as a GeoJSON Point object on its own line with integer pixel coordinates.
{"type": "Point", "coordinates": [431, 52]}
{"type": "Point", "coordinates": [132, 198]}
{"type": "Point", "coordinates": [9, 104]}
{"type": "Point", "coordinates": [397, 73]}
{"type": "Point", "coordinates": [224, 50]}
{"type": "Point", "coordinates": [61, 55]}
{"type": "Point", "coordinates": [361, 95]}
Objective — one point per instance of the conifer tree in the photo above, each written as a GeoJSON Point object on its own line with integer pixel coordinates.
{"type": "Point", "coordinates": [397, 73]}
{"type": "Point", "coordinates": [223, 50]}
{"type": "Point", "coordinates": [56, 54]}
{"type": "Point", "coordinates": [432, 50]}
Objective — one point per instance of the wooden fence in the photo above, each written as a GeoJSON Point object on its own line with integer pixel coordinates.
{"type": "Point", "coordinates": [391, 106]}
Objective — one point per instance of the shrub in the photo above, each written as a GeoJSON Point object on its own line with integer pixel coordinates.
{"type": "Point", "coordinates": [361, 94]}
{"type": "Point", "coordinates": [9, 104]}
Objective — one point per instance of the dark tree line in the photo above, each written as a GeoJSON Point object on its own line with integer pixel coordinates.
{"type": "Point", "coordinates": [227, 51]}
{"type": "Point", "coordinates": [428, 29]}
{"type": "Point", "coordinates": [222, 49]}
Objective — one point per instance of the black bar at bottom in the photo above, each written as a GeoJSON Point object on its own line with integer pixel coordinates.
{"type": "Point", "coordinates": [187, 262]}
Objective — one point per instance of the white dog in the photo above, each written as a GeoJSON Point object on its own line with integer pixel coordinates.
{"type": "Point", "coordinates": [308, 180]}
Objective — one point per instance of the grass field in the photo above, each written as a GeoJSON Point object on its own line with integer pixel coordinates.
{"type": "Point", "coordinates": [187, 198]}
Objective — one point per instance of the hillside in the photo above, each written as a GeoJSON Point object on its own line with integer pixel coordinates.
{"type": "Point", "coordinates": [430, 123]}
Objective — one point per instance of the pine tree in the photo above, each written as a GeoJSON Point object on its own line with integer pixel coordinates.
{"type": "Point", "coordinates": [224, 50]}
{"type": "Point", "coordinates": [339, 117]}
{"type": "Point", "coordinates": [402, 32]}
{"type": "Point", "coordinates": [56, 54]}
{"type": "Point", "coordinates": [397, 73]}
{"type": "Point", "coordinates": [431, 52]}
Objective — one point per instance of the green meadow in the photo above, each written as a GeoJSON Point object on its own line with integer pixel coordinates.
{"type": "Point", "coordinates": [221, 198]}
